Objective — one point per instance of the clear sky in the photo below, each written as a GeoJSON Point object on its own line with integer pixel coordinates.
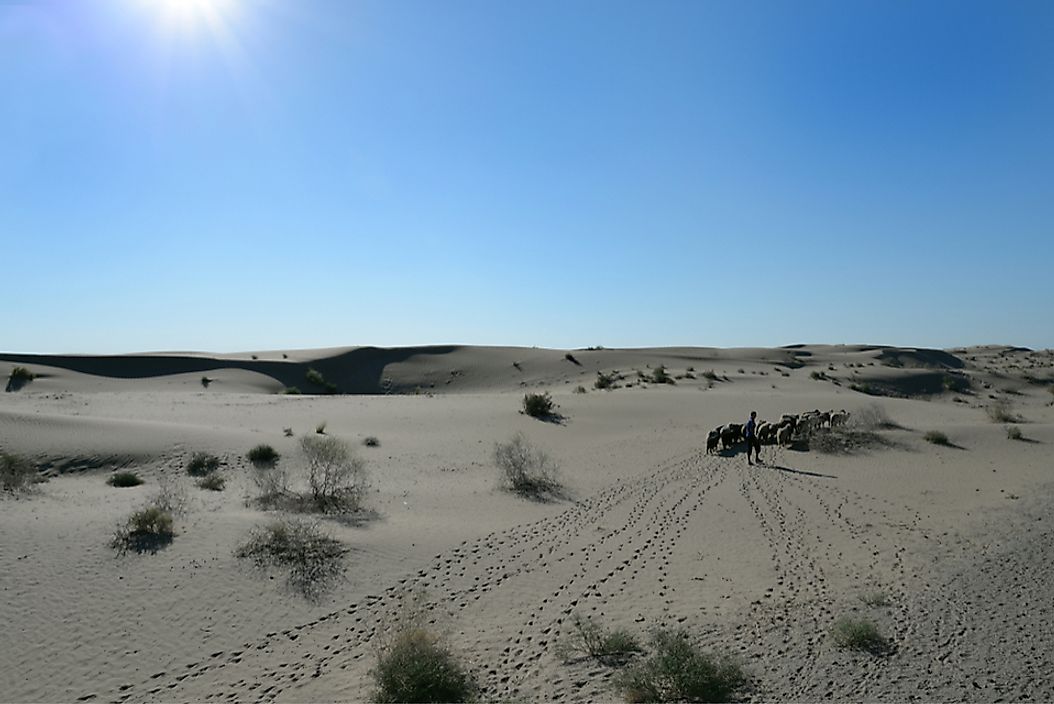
{"type": "Point", "coordinates": [263, 174]}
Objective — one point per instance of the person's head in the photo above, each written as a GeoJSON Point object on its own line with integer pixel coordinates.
{"type": "Point", "coordinates": [753, 414]}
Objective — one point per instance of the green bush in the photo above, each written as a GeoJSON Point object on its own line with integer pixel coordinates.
{"type": "Point", "coordinates": [859, 634]}
{"type": "Point", "coordinates": [290, 390]}
{"type": "Point", "coordinates": [313, 559]}
{"type": "Point", "coordinates": [417, 667]}
{"type": "Point", "coordinates": [936, 437]}
{"type": "Point", "coordinates": [212, 482]}
{"type": "Point", "coordinates": [315, 377]}
{"type": "Point", "coordinates": [526, 471]}
{"type": "Point", "coordinates": [146, 530]}
{"type": "Point", "coordinates": [202, 463]}
{"type": "Point", "coordinates": [17, 473]}
{"type": "Point", "coordinates": [20, 376]}
{"type": "Point", "coordinates": [679, 671]}
{"type": "Point", "coordinates": [538, 405]}
{"type": "Point", "coordinates": [263, 454]}
{"type": "Point", "coordinates": [124, 479]}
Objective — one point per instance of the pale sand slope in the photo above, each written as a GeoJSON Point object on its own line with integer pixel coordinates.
{"type": "Point", "coordinates": [757, 561]}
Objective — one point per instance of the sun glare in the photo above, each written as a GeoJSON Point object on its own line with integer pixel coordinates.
{"type": "Point", "coordinates": [191, 14]}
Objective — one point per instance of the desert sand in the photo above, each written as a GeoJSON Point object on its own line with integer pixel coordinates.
{"type": "Point", "coordinates": [650, 531]}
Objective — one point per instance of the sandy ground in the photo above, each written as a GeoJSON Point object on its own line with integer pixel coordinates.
{"type": "Point", "coordinates": [756, 561]}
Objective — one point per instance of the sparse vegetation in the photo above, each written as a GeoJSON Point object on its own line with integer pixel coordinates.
{"type": "Point", "coordinates": [17, 473]}
{"type": "Point", "coordinates": [20, 376]}
{"type": "Point", "coordinates": [580, 389]}
{"type": "Point", "coordinates": [205, 381]}
{"type": "Point", "coordinates": [711, 375]}
{"type": "Point", "coordinates": [263, 454]}
{"type": "Point", "coordinates": [678, 670]}
{"type": "Point", "coordinates": [202, 463]}
{"type": "Point", "coordinates": [588, 638]}
{"type": "Point", "coordinates": [147, 530]}
{"type": "Point", "coordinates": [873, 417]}
{"type": "Point", "coordinates": [604, 381]}
{"type": "Point", "coordinates": [320, 429]}
{"type": "Point", "coordinates": [336, 476]}
{"type": "Point", "coordinates": [876, 598]}
{"type": "Point", "coordinates": [315, 377]}
{"type": "Point", "coordinates": [936, 437]}
{"type": "Point", "coordinates": [999, 411]}
{"type": "Point", "coordinates": [124, 479]}
{"type": "Point", "coordinates": [525, 470]}
{"type": "Point", "coordinates": [571, 358]}
{"type": "Point", "coordinates": [538, 405]}
{"type": "Point", "coordinates": [313, 559]}
{"type": "Point", "coordinates": [290, 390]}
{"type": "Point", "coordinates": [818, 376]}
{"type": "Point", "coordinates": [416, 666]}
{"type": "Point", "coordinates": [1014, 433]}
{"type": "Point", "coordinates": [660, 376]}
{"type": "Point", "coordinates": [859, 634]}
{"type": "Point", "coordinates": [371, 441]}
{"type": "Point", "coordinates": [212, 482]}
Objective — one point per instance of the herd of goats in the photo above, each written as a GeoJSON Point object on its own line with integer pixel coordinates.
{"type": "Point", "coordinates": [782, 432]}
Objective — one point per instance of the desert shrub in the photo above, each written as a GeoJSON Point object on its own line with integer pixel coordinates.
{"type": "Point", "coordinates": [313, 559]}
{"type": "Point", "coordinates": [315, 377]}
{"type": "Point", "coordinates": [660, 376]}
{"type": "Point", "coordinates": [22, 375]}
{"type": "Point", "coordinates": [288, 432]}
{"type": "Point", "coordinates": [124, 479]}
{"type": "Point", "coordinates": [170, 496]}
{"type": "Point", "coordinates": [859, 634]}
{"type": "Point", "coordinates": [146, 530]}
{"type": "Point", "coordinates": [212, 482]}
{"type": "Point", "coordinates": [417, 667]}
{"type": "Point", "coordinates": [678, 670]}
{"type": "Point", "coordinates": [273, 483]}
{"type": "Point", "coordinates": [571, 358]}
{"type": "Point", "coordinates": [844, 440]}
{"type": "Point", "coordinates": [877, 598]}
{"type": "Point", "coordinates": [320, 429]}
{"type": "Point", "coordinates": [205, 381]}
{"type": "Point", "coordinates": [1014, 433]}
{"type": "Point", "coordinates": [1000, 412]}
{"type": "Point", "coordinates": [580, 389]}
{"type": "Point", "coordinates": [525, 470]}
{"type": "Point", "coordinates": [604, 381]}
{"type": "Point", "coordinates": [588, 638]}
{"type": "Point", "coordinates": [263, 454]}
{"type": "Point", "coordinates": [17, 473]}
{"type": "Point", "coordinates": [936, 437]}
{"type": "Point", "coordinates": [819, 376]}
{"type": "Point", "coordinates": [202, 463]}
{"type": "Point", "coordinates": [336, 476]}
{"type": "Point", "coordinates": [711, 375]}
{"type": "Point", "coordinates": [873, 417]}
{"type": "Point", "coordinates": [371, 441]}
{"type": "Point", "coordinates": [538, 405]}
{"type": "Point", "coordinates": [291, 390]}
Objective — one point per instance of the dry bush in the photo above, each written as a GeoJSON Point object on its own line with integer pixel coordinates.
{"type": "Point", "coordinates": [273, 483]}
{"type": "Point", "coordinates": [1000, 411]}
{"type": "Point", "coordinates": [936, 437]}
{"type": "Point", "coordinates": [336, 476]}
{"type": "Point", "coordinates": [202, 463]}
{"type": "Point", "coordinates": [212, 482]}
{"type": "Point", "coordinates": [589, 639]}
{"type": "Point", "coordinates": [1014, 433]}
{"type": "Point", "coordinates": [313, 559]}
{"type": "Point", "coordinates": [525, 470]}
{"type": "Point", "coordinates": [873, 417]}
{"type": "Point", "coordinates": [124, 479]}
{"type": "Point", "coordinates": [538, 405]}
{"type": "Point", "coordinates": [416, 666]}
{"type": "Point", "coordinates": [17, 474]}
{"type": "Point", "coordinates": [371, 441]}
{"type": "Point", "coordinates": [679, 671]}
{"type": "Point", "coordinates": [859, 634]}
{"type": "Point", "coordinates": [171, 496]}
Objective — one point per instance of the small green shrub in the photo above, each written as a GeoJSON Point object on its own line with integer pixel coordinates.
{"type": "Point", "coordinates": [859, 634]}
{"type": "Point", "coordinates": [315, 377]}
{"type": "Point", "coordinates": [202, 463]}
{"type": "Point", "coordinates": [17, 473]}
{"type": "Point", "coordinates": [1014, 433]}
{"type": "Point", "coordinates": [290, 391]}
{"type": "Point", "coordinates": [588, 638]}
{"type": "Point", "coordinates": [936, 437]}
{"type": "Point", "coordinates": [146, 530]}
{"type": "Point", "coordinates": [314, 560]}
{"type": "Point", "coordinates": [678, 670]}
{"type": "Point", "coordinates": [212, 482]}
{"type": "Point", "coordinates": [371, 441]}
{"type": "Point", "coordinates": [22, 374]}
{"type": "Point", "coordinates": [417, 667]}
{"type": "Point", "coordinates": [538, 405]}
{"type": "Point", "coordinates": [525, 470]}
{"type": "Point", "coordinates": [263, 454]}
{"type": "Point", "coordinates": [124, 479]}
{"type": "Point", "coordinates": [604, 381]}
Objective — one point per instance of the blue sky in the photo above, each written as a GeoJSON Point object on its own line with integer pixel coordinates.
{"type": "Point", "coordinates": [254, 174]}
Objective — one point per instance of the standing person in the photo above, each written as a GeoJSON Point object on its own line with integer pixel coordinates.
{"type": "Point", "coordinates": [750, 432]}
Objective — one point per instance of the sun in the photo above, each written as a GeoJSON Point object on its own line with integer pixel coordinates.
{"type": "Point", "coordinates": [192, 14]}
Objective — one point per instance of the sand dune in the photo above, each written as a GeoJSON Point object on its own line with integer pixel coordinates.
{"type": "Point", "coordinates": [652, 531]}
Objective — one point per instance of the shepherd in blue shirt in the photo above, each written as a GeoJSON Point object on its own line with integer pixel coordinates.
{"type": "Point", "coordinates": [750, 431]}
